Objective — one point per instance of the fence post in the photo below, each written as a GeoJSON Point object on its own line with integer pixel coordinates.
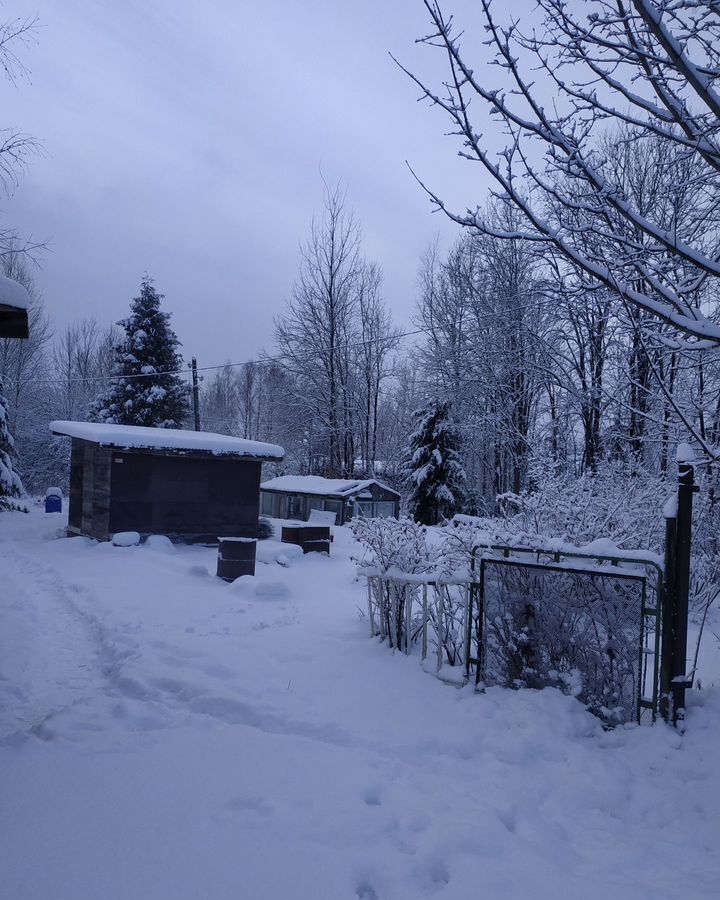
{"type": "Point", "coordinates": [440, 623]}
{"type": "Point", "coordinates": [408, 617]}
{"type": "Point", "coordinates": [371, 612]}
{"type": "Point", "coordinates": [425, 622]}
{"type": "Point", "coordinates": [686, 488]}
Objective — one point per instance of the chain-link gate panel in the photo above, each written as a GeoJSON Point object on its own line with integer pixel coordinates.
{"type": "Point", "coordinates": [589, 631]}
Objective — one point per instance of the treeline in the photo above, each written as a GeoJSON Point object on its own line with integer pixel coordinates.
{"type": "Point", "coordinates": [546, 375]}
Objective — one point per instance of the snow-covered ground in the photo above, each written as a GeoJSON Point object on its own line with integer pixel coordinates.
{"type": "Point", "coordinates": [166, 736]}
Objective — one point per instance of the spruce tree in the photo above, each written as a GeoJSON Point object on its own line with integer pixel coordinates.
{"type": "Point", "coordinates": [11, 488]}
{"type": "Point", "coordinates": [434, 469]}
{"type": "Point", "coordinates": [149, 346]}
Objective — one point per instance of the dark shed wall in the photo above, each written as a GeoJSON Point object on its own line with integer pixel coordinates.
{"type": "Point", "coordinates": [89, 490]}
{"type": "Point", "coordinates": [190, 496]}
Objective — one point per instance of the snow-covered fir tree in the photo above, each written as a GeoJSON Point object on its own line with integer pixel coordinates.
{"type": "Point", "coordinates": [434, 469]}
{"type": "Point", "coordinates": [11, 488]}
{"type": "Point", "coordinates": [149, 346]}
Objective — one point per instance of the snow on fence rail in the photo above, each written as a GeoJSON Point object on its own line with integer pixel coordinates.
{"type": "Point", "coordinates": [585, 620]}
{"type": "Point", "coordinates": [399, 608]}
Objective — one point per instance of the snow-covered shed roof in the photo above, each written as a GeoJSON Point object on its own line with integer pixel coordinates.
{"type": "Point", "coordinates": [322, 487]}
{"type": "Point", "coordinates": [133, 437]}
{"type": "Point", "coordinates": [14, 302]}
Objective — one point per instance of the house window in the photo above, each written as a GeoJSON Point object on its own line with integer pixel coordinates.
{"type": "Point", "coordinates": [336, 507]}
{"type": "Point", "coordinates": [296, 508]}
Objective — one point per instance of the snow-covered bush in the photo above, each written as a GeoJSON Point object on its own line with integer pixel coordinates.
{"type": "Point", "coordinates": [393, 546]}
{"type": "Point", "coordinates": [11, 489]}
{"type": "Point", "coordinates": [624, 504]}
{"type": "Point", "coordinates": [620, 502]}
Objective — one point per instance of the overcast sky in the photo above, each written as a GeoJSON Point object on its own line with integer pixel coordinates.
{"type": "Point", "coordinates": [186, 139]}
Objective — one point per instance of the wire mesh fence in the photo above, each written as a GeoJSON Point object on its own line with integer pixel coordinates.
{"type": "Point", "coordinates": [582, 632]}
{"type": "Point", "coordinates": [524, 618]}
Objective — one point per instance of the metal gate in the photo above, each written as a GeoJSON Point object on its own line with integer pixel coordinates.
{"type": "Point", "coordinates": [530, 617]}
{"type": "Point", "coordinates": [586, 623]}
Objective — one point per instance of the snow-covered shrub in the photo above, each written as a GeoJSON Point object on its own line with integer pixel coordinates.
{"type": "Point", "coordinates": [624, 504]}
{"type": "Point", "coordinates": [391, 547]}
{"type": "Point", "coordinates": [552, 628]}
{"type": "Point", "coordinates": [11, 489]}
{"type": "Point", "coordinates": [620, 502]}
{"type": "Point", "coordinates": [394, 548]}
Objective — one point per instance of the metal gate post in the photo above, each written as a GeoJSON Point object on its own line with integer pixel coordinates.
{"type": "Point", "coordinates": [686, 488]}
{"type": "Point", "coordinates": [668, 618]}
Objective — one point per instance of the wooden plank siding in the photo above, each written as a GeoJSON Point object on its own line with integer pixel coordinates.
{"type": "Point", "coordinates": [192, 496]}
{"type": "Point", "coordinates": [184, 496]}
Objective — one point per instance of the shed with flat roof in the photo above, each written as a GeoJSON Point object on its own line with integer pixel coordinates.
{"type": "Point", "coordinates": [189, 485]}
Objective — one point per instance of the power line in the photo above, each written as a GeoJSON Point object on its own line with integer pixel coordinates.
{"type": "Point", "coordinates": [282, 357]}
{"type": "Point", "coordinates": [227, 365]}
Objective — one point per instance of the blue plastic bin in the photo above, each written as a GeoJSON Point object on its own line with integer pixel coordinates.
{"type": "Point", "coordinates": [53, 502]}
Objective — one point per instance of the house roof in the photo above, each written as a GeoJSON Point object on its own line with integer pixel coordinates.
{"type": "Point", "coordinates": [14, 302]}
{"type": "Point", "coordinates": [322, 487]}
{"type": "Point", "coordinates": [133, 437]}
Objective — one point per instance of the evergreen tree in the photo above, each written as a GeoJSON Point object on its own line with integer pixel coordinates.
{"type": "Point", "coordinates": [434, 469]}
{"type": "Point", "coordinates": [149, 346]}
{"type": "Point", "coordinates": [11, 488]}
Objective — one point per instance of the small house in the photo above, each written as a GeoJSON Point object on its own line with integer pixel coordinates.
{"type": "Point", "coordinates": [295, 496]}
{"type": "Point", "coordinates": [14, 301]}
{"type": "Point", "coordinates": [188, 485]}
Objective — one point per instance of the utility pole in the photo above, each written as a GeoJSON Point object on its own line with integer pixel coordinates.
{"type": "Point", "coordinates": [195, 393]}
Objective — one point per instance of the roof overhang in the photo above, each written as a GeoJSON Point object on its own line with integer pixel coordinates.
{"type": "Point", "coordinates": [168, 441]}
{"type": "Point", "coordinates": [359, 492]}
{"type": "Point", "coordinates": [13, 322]}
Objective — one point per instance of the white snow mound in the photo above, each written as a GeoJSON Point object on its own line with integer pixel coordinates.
{"type": "Point", "coordinates": [126, 539]}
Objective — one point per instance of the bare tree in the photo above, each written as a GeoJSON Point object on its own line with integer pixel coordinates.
{"type": "Point", "coordinates": [81, 360]}
{"type": "Point", "coordinates": [651, 65]}
{"type": "Point", "coordinates": [15, 146]}
{"type": "Point", "coordinates": [482, 311]}
{"type": "Point", "coordinates": [316, 332]}
{"type": "Point", "coordinates": [378, 338]}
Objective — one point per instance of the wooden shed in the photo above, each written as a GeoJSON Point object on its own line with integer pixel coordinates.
{"type": "Point", "coordinates": [14, 302]}
{"type": "Point", "coordinates": [295, 496]}
{"type": "Point", "coordinates": [188, 485]}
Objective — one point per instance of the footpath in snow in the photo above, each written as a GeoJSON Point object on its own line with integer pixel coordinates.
{"type": "Point", "coordinates": [166, 736]}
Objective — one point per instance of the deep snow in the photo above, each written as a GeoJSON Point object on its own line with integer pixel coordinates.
{"type": "Point", "coordinates": [166, 735]}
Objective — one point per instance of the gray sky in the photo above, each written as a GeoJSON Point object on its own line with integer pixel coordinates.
{"type": "Point", "coordinates": [186, 139]}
